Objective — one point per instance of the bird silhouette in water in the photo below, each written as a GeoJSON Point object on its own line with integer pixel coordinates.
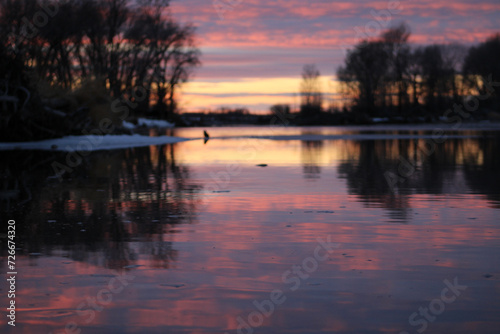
{"type": "Point", "coordinates": [207, 137]}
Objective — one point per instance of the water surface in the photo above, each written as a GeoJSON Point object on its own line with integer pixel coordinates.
{"type": "Point", "coordinates": [199, 238]}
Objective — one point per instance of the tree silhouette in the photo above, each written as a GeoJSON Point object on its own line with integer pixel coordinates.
{"type": "Point", "coordinates": [398, 51]}
{"type": "Point", "coordinates": [310, 91]}
{"type": "Point", "coordinates": [385, 72]}
{"type": "Point", "coordinates": [364, 74]}
{"type": "Point", "coordinates": [482, 69]}
{"type": "Point", "coordinates": [123, 43]}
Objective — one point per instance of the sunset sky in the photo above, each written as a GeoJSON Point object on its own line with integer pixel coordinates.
{"type": "Point", "coordinates": [254, 50]}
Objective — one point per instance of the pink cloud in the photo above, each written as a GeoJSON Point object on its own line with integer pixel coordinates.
{"type": "Point", "coordinates": [256, 38]}
{"type": "Point", "coordinates": [320, 24]}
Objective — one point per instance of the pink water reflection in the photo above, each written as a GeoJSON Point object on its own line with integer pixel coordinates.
{"type": "Point", "coordinates": [198, 265]}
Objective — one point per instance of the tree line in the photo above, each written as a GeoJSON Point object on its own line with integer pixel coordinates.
{"type": "Point", "coordinates": [388, 76]}
{"type": "Point", "coordinates": [123, 44]}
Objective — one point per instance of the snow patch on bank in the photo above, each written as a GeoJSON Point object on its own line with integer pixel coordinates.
{"type": "Point", "coordinates": [150, 123]}
{"type": "Point", "coordinates": [111, 142]}
{"type": "Point", "coordinates": [91, 143]}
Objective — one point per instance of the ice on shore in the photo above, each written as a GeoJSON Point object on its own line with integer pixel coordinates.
{"type": "Point", "coordinates": [150, 123]}
{"type": "Point", "coordinates": [91, 143]}
{"type": "Point", "coordinates": [110, 142]}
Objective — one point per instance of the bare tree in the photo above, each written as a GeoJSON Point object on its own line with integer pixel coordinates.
{"type": "Point", "coordinates": [123, 43]}
{"type": "Point", "coordinates": [310, 90]}
{"type": "Point", "coordinates": [398, 52]}
{"type": "Point", "coordinates": [482, 69]}
{"type": "Point", "coordinates": [383, 72]}
{"type": "Point", "coordinates": [364, 75]}
{"type": "Point", "coordinates": [453, 61]}
{"type": "Point", "coordinates": [438, 75]}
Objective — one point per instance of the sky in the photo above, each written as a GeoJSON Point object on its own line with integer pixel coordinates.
{"type": "Point", "coordinates": [253, 51]}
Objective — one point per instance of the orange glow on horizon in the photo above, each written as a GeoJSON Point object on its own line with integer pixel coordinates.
{"type": "Point", "coordinates": [202, 95]}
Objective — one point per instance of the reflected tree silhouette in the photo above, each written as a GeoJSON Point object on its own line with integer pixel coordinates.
{"type": "Point", "coordinates": [482, 170]}
{"type": "Point", "coordinates": [365, 177]}
{"type": "Point", "coordinates": [311, 151]}
{"type": "Point", "coordinates": [116, 208]}
{"type": "Point", "coordinates": [441, 172]}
